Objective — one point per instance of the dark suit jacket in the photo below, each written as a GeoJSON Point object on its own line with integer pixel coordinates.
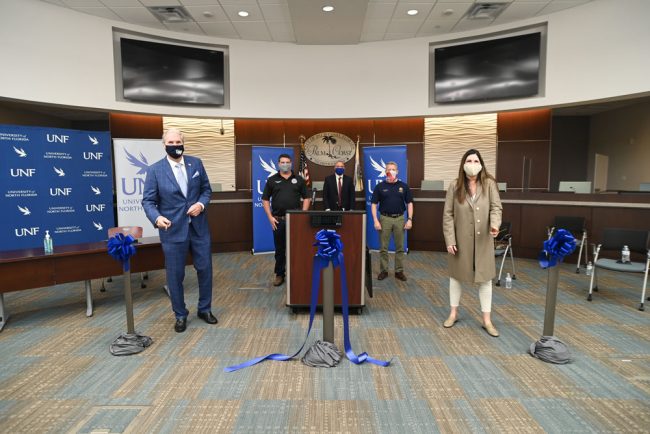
{"type": "Point", "coordinates": [162, 196]}
{"type": "Point", "coordinates": [331, 193]}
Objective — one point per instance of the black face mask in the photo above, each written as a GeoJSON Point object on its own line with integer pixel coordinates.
{"type": "Point", "coordinates": [175, 151]}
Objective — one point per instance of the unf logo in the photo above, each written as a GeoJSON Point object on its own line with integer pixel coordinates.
{"type": "Point", "coordinates": [93, 155]}
{"type": "Point", "coordinates": [57, 191]}
{"type": "Point", "coordinates": [26, 232]}
{"type": "Point", "coordinates": [19, 173]}
{"type": "Point", "coordinates": [57, 138]}
{"type": "Point", "coordinates": [95, 207]}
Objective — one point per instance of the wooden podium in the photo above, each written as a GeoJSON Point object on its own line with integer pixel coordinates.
{"type": "Point", "coordinates": [302, 227]}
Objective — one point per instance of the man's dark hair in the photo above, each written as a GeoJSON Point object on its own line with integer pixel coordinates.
{"type": "Point", "coordinates": [284, 156]}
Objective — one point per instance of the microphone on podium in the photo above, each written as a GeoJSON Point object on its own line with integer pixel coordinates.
{"type": "Point", "coordinates": [313, 196]}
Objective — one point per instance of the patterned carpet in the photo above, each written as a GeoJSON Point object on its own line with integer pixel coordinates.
{"type": "Point", "coordinates": [58, 376]}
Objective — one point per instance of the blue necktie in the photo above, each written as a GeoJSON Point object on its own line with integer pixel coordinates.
{"type": "Point", "coordinates": [181, 178]}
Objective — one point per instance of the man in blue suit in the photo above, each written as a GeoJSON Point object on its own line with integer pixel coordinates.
{"type": "Point", "coordinates": [176, 195]}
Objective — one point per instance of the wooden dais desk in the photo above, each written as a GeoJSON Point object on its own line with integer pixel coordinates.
{"type": "Point", "coordinates": [31, 268]}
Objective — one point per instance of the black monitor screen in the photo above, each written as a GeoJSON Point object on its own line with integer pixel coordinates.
{"type": "Point", "coordinates": [166, 73]}
{"type": "Point", "coordinates": [488, 70]}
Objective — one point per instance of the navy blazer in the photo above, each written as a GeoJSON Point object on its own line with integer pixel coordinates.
{"type": "Point", "coordinates": [331, 193]}
{"type": "Point", "coordinates": [162, 196]}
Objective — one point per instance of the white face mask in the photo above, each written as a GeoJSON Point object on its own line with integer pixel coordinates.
{"type": "Point", "coordinates": [472, 169]}
{"type": "Point", "coordinates": [391, 174]}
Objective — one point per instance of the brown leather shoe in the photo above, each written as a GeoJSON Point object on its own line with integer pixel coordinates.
{"type": "Point", "coordinates": [279, 280]}
{"type": "Point", "coordinates": [400, 275]}
{"type": "Point", "coordinates": [449, 322]}
{"type": "Point", "coordinates": [382, 275]}
{"type": "Point", "coordinates": [491, 330]}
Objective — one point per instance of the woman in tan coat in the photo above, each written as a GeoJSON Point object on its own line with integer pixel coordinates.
{"type": "Point", "coordinates": [471, 220]}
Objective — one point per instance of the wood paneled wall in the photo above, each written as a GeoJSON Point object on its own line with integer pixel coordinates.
{"type": "Point", "coordinates": [381, 132]}
{"type": "Point", "coordinates": [524, 134]}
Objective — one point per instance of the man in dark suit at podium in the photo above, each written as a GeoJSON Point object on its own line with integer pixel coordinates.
{"type": "Point", "coordinates": [338, 190]}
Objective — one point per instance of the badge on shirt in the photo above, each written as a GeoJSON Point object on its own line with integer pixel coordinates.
{"type": "Point", "coordinates": [294, 181]}
{"type": "Point", "coordinates": [401, 190]}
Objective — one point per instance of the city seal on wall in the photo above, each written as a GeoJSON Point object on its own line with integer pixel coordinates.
{"type": "Point", "coordinates": [325, 149]}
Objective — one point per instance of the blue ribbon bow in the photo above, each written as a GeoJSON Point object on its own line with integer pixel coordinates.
{"type": "Point", "coordinates": [121, 248]}
{"type": "Point", "coordinates": [561, 244]}
{"type": "Point", "coordinates": [330, 248]}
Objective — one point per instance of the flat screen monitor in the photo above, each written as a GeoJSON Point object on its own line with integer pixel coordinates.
{"type": "Point", "coordinates": [575, 186]}
{"type": "Point", "coordinates": [488, 70]}
{"type": "Point", "coordinates": [172, 74]}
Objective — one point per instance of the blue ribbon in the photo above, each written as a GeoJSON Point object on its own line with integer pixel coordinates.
{"type": "Point", "coordinates": [330, 248]}
{"type": "Point", "coordinates": [121, 248]}
{"type": "Point", "coordinates": [561, 244]}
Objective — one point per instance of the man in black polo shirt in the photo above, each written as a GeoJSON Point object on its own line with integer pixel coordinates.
{"type": "Point", "coordinates": [284, 191]}
{"type": "Point", "coordinates": [394, 197]}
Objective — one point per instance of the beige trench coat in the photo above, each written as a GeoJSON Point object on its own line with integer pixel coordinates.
{"type": "Point", "coordinates": [468, 228]}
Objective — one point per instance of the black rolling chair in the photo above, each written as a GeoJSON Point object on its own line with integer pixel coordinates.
{"type": "Point", "coordinates": [614, 239]}
{"type": "Point", "coordinates": [503, 246]}
{"type": "Point", "coordinates": [577, 227]}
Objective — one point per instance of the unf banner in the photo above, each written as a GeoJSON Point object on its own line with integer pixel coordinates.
{"type": "Point", "coordinates": [132, 159]}
{"type": "Point", "coordinates": [264, 161]}
{"type": "Point", "coordinates": [57, 180]}
{"type": "Point", "coordinates": [374, 172]}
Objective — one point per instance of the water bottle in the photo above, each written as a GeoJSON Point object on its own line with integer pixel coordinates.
{"type": "Point", "coordinates": [508, 281]}
{"type": "Point", "coordinates": [48, 246]}
{"type": "Point", "coordinates": [589, 268]}
{"type": "Point", "coordinates": [625, 255]}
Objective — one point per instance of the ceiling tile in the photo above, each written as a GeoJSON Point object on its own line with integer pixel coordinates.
{"type": "Point", "coordinates": [121, 3]}
{"type": "Point", "coordinates": [139, 15]}
{"type": "Point", "coordinates": [199, 2]}
{"type": "Point", "coordinates": [435, 27]}
{"type": "Point", "coordinates": [254, 30]}
{"type": "Point", "coordinates": [82, 3]}
{"type": "Point", "coordinates": [520, 11]}
{"type": "Point", "coordinates": [223, 29]}
{"type": "Point", "coordinates": [149, 3]}
{"type": "Point", "coordinates": [371, 37]}
{"type": "Point", "coordinates": [458, 10]}
{"type": "Point", "coordinates": [274, 2]}
{"type": "Point", "coordinates": [382, 1]}
{"type": "Point", "coordinates": [190, 27]}
{"type": "Point", "coordinates": [377, 11]}
{"type": "Point", "coordinates": [404, 26]}
{"type": "Point", "coordinates": [99, 12]}
{"type": "Point", "coordinates": [281, 31]}
{"type": "Point", "coordinates": [217, 12]}
{"type": "Point", "coordinates": [255, 13]}
{"type": "Point", "coordinates": [422, 8]}
{"type": "Point", "coordinates": [556, 6]}
{"type": "Point", "coordinates": [465, 24]}
{"type": "Point", "coordinates": [55, 2]}
{"type": "Point", "coordinates": [375, 26]}
{"type": "Point", "coordinates": [276, 12]}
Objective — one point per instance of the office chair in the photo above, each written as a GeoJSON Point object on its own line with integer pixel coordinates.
{"type": "Point", "coordinates": [614, 239]}
{"type": "Point", "coordinates": [577, 227]}
{"type": "Point", "coordinates": [503, 245]}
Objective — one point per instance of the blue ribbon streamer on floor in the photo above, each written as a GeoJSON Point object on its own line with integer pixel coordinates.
{"type": "Point", "coordinates": [330, 248]}
{"type": "Point", "coordinates": [121, 248]}
{"type": "Point", "coordinates": [561, 244]}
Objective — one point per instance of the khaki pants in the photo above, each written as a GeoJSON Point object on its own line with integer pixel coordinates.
{"type": "Point", "coordinates": [394, 226]}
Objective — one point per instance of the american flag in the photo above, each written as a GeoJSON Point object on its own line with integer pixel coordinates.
{"type": "Point", "coordinates": [358, 174]}
{"type": "Point", "coordinates": [303, 170]}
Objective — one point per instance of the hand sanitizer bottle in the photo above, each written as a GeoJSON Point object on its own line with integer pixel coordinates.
{"type": "Point", "coordinates": [47, 243]}
{"type": "Point", "coordinates": [590, 267]}
{"type": "Point", "coordinates": [508, 281]}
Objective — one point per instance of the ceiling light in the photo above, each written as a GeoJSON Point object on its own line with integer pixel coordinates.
{"type": "Point", "coordinates": [448, 12]}
{"type": "Point", "coordinates": [328, 8]}
{"type": "Point", "coordinates": [242, 13]}
{"type": "Point", "coordinates": [412, 12]}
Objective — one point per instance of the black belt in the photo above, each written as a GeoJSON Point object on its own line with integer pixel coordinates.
{"type": "Point", "coordinates": [385, 214]}
{"type": "Point", "coordinates": [280, 217]}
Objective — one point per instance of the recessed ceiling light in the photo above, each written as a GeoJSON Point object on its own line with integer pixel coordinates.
{"type": "Point", "coordinates": [448, 12]}
{"type": "Point", "coordinates": [412, 12]}
{"type": "Point", "coordinates": [328, 8]}
{"type": "Point", "coordinates": [242, 13]}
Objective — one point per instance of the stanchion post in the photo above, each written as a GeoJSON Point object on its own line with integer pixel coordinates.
{"type": "Point", "coordinates": [551, 300]}
{"type": "Point", "coordinates": [328, 303]}
{"type": "Point", "coordinates": [129, 302]}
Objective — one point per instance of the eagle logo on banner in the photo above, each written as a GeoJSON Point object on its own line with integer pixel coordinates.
{"type": "Point", "coordinates": [379, 167]}
{"type": "Point", "coordinates": [141, 163]}
{"type": "Point", "coordinates": [268, 167]}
